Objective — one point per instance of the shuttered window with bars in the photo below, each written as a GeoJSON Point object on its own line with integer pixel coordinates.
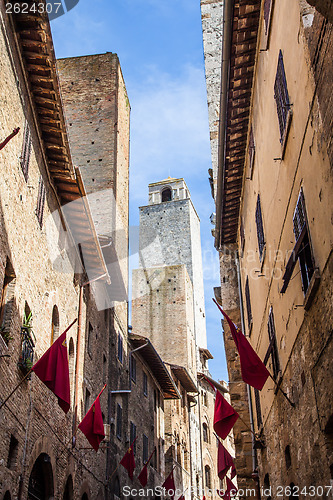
{"type": "Point", "coordinates": [302, 249]}
{"type": "Point", "coordinates": [133, 436]}
{"type": "Point", "coordinates": [281, 97]}
{"type": "Point", "coordinates": [40, 201]}
{"type": "Point", "coordinates": [273, 349]}
{"type": "Point", "coordinates": [248, 305]}
{"type": "Point", "coordinates": [260, 228]}
{"type": "Point", "coordinates": [251, 152]}
{"type": "Point", "coordinates": [26, 151]}
{"type": "Point", "coordinates": [258, 408]}
{"type": "Point", "coordinates": [119, 421]}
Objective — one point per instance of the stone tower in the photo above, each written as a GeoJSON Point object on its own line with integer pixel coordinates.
{"type": "Point", "coordinates": [168, 308]}
{"type": "Point", "coordinates": [170, 235]}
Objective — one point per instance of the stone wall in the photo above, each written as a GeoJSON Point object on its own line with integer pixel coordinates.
{"type": "Point", "coordinates": [212, 29]}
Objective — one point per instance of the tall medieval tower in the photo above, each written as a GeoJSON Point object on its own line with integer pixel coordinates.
{"type": "Point", "coordinates": [168, 308]}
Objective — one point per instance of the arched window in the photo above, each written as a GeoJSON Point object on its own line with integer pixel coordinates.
{"type": "Point", "coordinates": [287, 456]}
{"type": "Point", "coordinates": [207, 476]}
{"type": "Point", "coordinates": [166, 194]}
{"type": "Point", "coordinates": [7, 496]}
{"type": "Point", "coordinates": [69, 493]}
{"type": "Point", "coordinates": [41, 479]}
{"type": "Point", "coordinates": [205, 433]}
{"type": "Point", "coordinates": [55, 324]}
{"type": "Point", "coordinates": [84, 496]}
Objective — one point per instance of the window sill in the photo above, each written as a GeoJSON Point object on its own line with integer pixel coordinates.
{"type": "Point", "coordinates": [312, 289]}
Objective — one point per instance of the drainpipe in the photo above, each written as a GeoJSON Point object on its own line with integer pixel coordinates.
{"type": "Point", "coordinates": [228, 9]}
{"type": "Point", "coordinates": [254, 453]}
{"type": "Point", "coordinates": [77, 364]}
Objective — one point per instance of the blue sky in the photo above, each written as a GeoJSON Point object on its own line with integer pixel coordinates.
{"type": "Point", "coordinates": [159, 44]}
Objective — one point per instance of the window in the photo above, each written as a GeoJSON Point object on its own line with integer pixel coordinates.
{"type": "Point", "coordinates": [268, 10]}
{"type": "Point", "coordinates": [89, 340]}
{"type": "Point", "coordinates": [133, 436]}
{"type": "Point", "coordinates": [287, 456]}
{"type": "Point", "coordinates": [260, 229]}
{"type": "Point", "coordinates": [55, 324]}
{"type": "Point", "coordinates": [306, 260]}
{"type": "Point", "coordinates": [207, 476]}
{"type": "Point", "coordinates": [258, 407]}
{"type": "Point", "coordinates": [26, 151]}
{"type": "Point", "coordinates": [133, 368]}
{"type": "Point", "coordinates": [248, 304]}
{"type": "Point", "coordinates": [281, 97]}
{"type": "Point", "coordinates": [302, 249]}
{"type": "Point", "coordinates": [272, 349]}
{"type": "Point", "coordinates": [12, 453]}
{"type": "Point", "coordinates": [119, 421]}
{"type": "Point", "coordinates": [155, 401]}
{"type": "Point", "coordinates": [116, 487]}
{"type": "Point", "coordinates": [145, 448]}
{"type": "Point", "coordinates": [205, 432]}
{"type": "Point", "coordinates": [40, 201]}
{"type": "Point", "coordinates": [7, 299]}
{"type": "Point", "coordinates": [145, 384]}
{"type": "Point", "coordinates": [104, 369]}
{"type": "Point", "coordinates": [166, 194]}
{"type": "Point", "coordinates": [120, 348]}
{"type": "Point", "coordinates": [87, 402]}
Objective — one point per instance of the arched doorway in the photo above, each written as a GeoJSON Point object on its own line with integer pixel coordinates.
{"type": "Point", "coordinates": [41, 479]}
{"type": "Point", "coordinates": [69, 491]}
{"type": "Point", "coordinates": [7, 496]}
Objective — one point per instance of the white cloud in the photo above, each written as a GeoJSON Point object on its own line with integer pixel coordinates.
{"type": "Point", "coordinates": [169, 127]}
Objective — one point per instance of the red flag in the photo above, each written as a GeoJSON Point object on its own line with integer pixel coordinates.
{"type": "Point", "coordinates": [143, 476]}
{"type": "Point", "coordinates": [224, 462]}
{"type": "Point", "coordinates": [231, 490]}
{"type": "Point", "coordinates": [254, 372]}
{"type": "Point", "coordinates": [128, 461]}
{"type": "Point", "coordinates": [224, 416]}
{"type": "Point", "coordinates": [53, 370]}
{"type": "Point", "coordinates": [169, 485]}
{"type": "Point", "coordinates": [92, 425]}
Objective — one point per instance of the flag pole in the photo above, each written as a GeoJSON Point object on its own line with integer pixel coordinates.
{"type": "Point", "coordinates": [15, 388]}
{"type": "Point", "coordinates": [278, 386]}
{"type": "Point", "coordinates": [29, 372]}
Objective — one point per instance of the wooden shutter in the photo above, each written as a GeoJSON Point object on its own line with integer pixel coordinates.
{"type": "Point", "coordinates": [281, 97]}
{"type": "Point", "coordinates": [260, 229]}
{"type": "Point", "coordinates": [26, 150]}
{"type": "Point", "coordinates": [40, 201]}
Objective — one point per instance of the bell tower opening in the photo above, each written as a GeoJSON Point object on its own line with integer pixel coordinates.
{"type": "Point", "coordinates": [166, 194]}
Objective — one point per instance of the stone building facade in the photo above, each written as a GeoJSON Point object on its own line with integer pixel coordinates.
{"type": "Point", "coordinates": [39, 276]}
{"type": "Point", "coordinates": [274, 228]}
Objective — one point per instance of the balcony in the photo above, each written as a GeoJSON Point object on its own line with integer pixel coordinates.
{"type": "Point", "coordinates": [27, 350]}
